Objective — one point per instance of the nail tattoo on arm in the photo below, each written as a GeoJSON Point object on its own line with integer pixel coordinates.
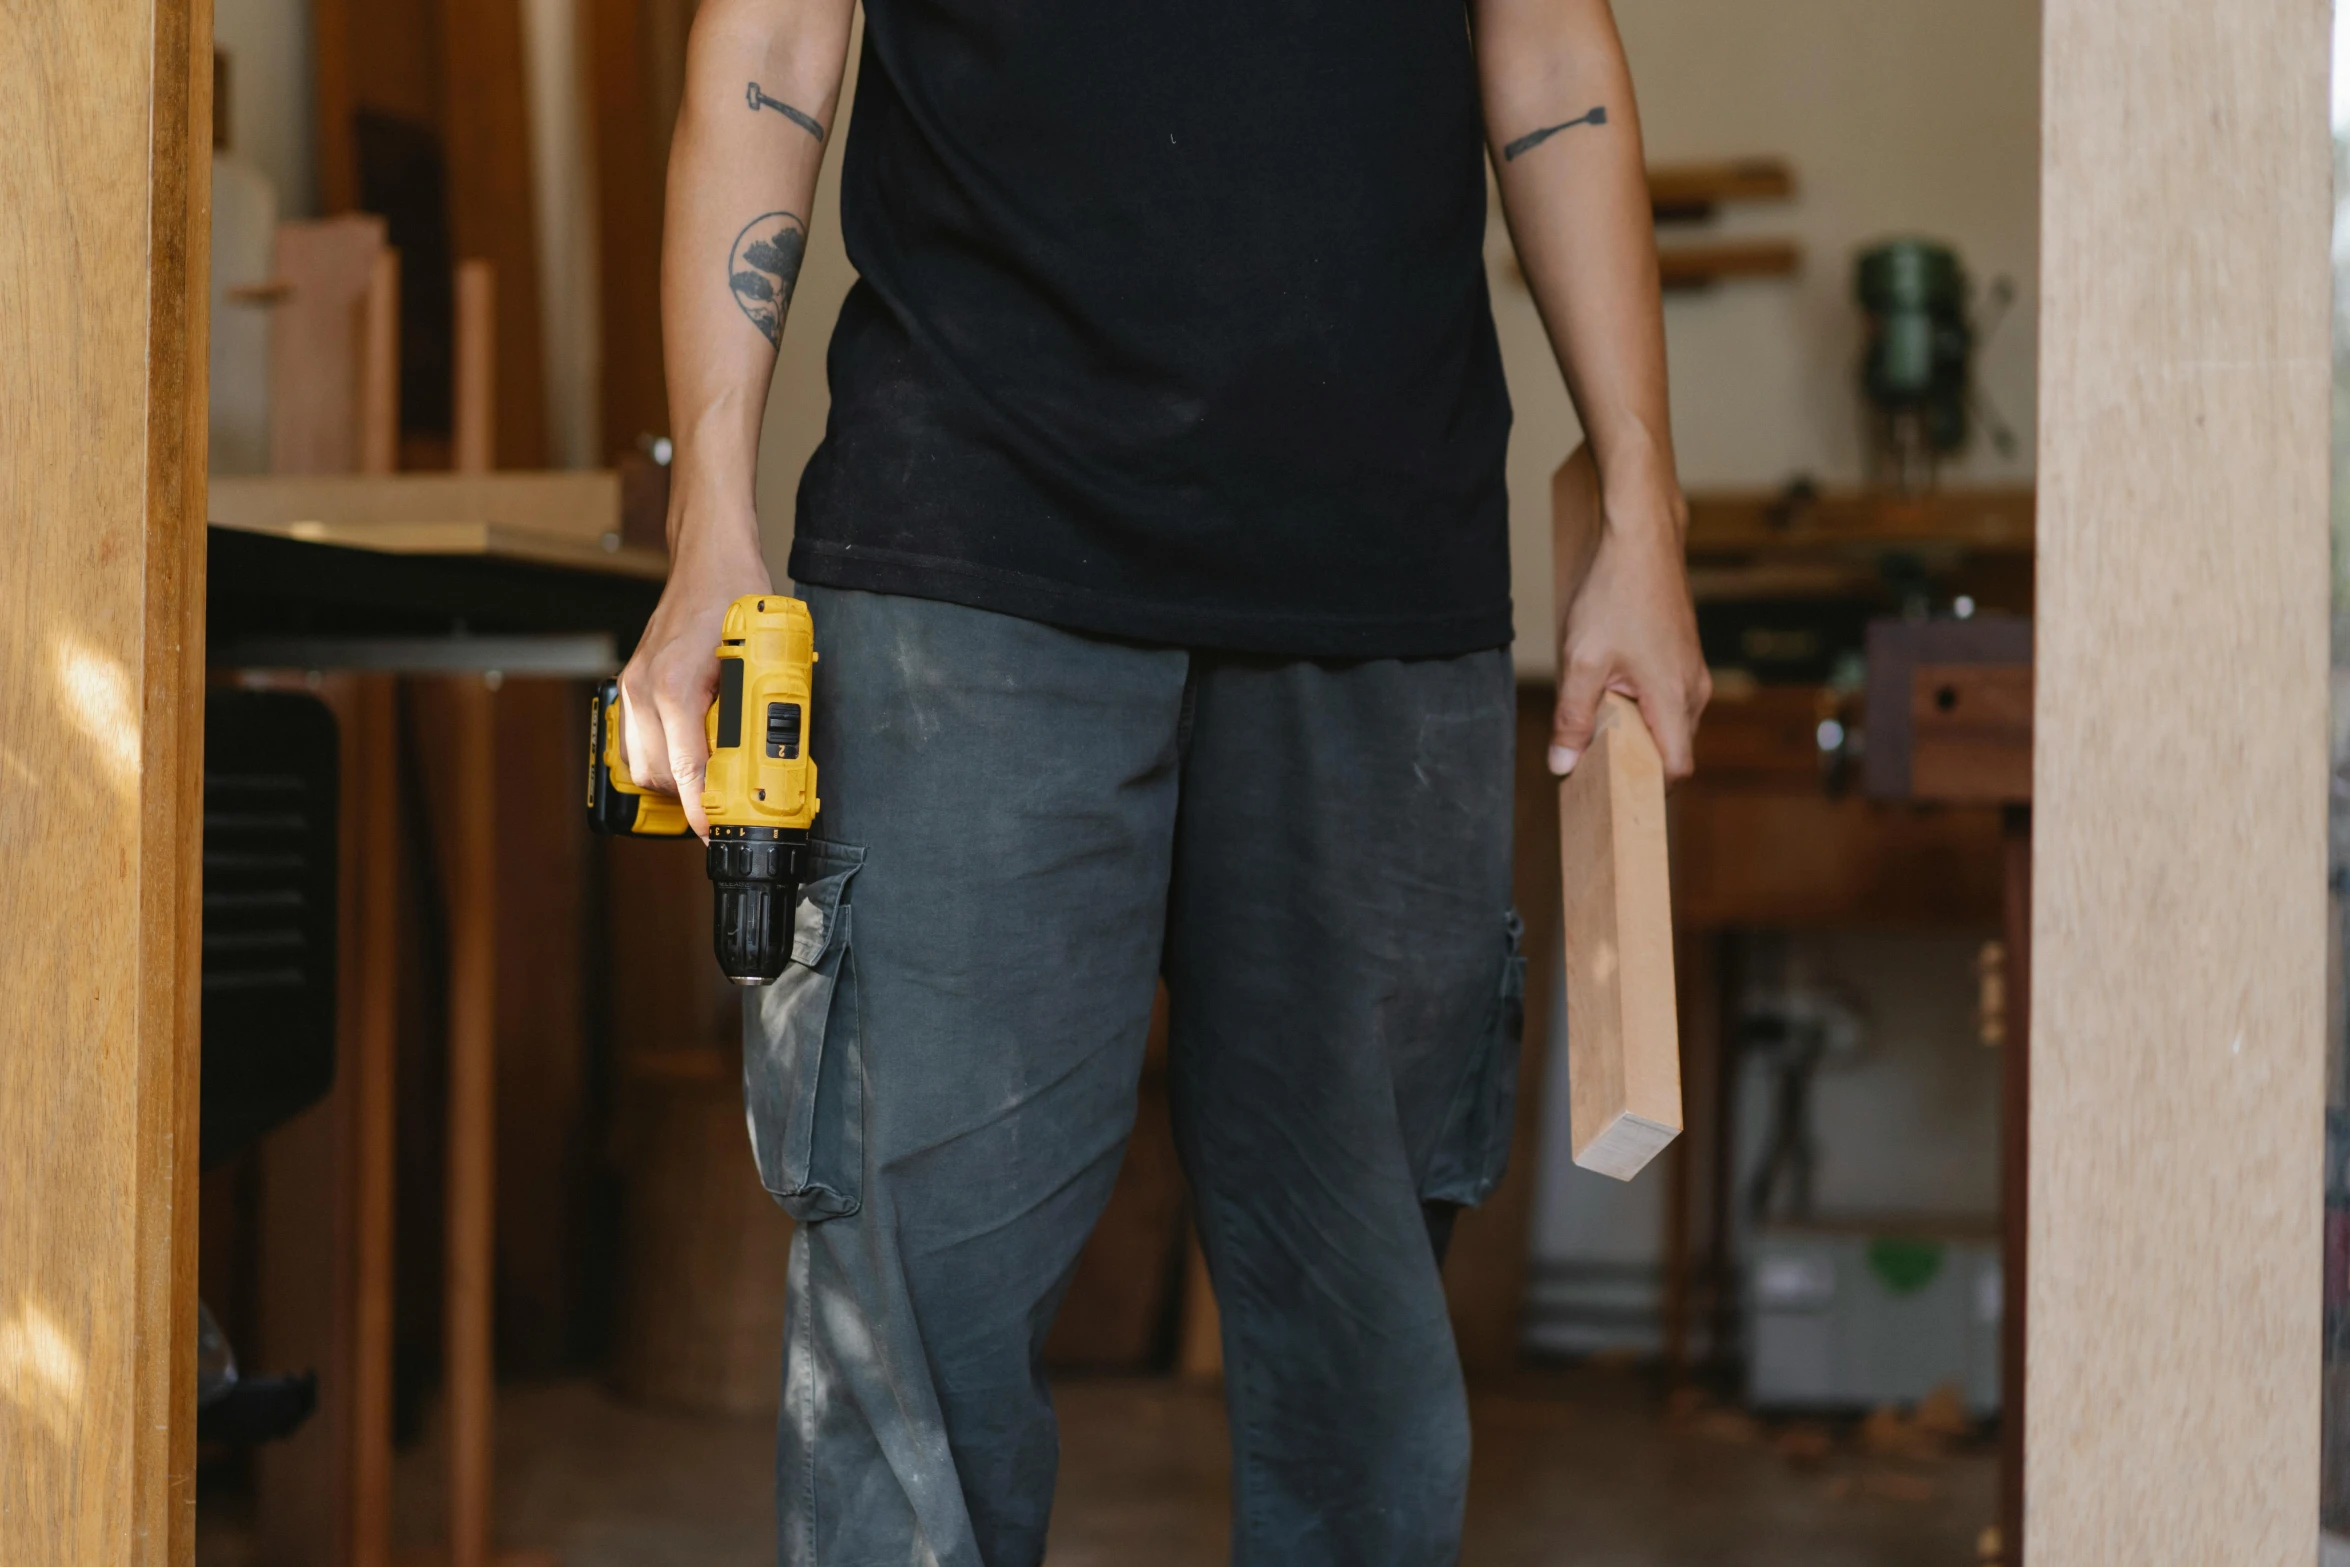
{"type": "Point", "coordinates": [759, 100]}
{"type": "Point", "coordinates": [1533, 139]}
{"type": "Point", "coordinates": [764, 266]}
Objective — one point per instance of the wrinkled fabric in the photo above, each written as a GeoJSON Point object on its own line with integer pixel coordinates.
{"type": "Point", "coordinates": [1023, 827]}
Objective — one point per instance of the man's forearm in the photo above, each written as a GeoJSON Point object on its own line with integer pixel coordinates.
{"type": "Point", "coordinates": [762, 88]}
{"type": "Point", "coordinates": [1574, 185]}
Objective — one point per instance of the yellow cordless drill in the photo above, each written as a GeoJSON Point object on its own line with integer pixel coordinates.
{"type": "Point", "coordinates": [759, 792]}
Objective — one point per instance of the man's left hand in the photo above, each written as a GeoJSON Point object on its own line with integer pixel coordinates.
{"type": "Point", "coordinates": [1632, 629]}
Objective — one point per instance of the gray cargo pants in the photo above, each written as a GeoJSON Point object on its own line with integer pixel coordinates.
{"type": "Point", "coordinates": [1023, 829]}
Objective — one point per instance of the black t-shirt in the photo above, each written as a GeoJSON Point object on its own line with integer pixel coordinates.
{"type": "Point", "coordinates": [1171, 324]}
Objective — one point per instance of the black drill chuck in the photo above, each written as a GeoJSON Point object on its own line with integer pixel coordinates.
{"type": "Point", "coordinates": [755, 876]}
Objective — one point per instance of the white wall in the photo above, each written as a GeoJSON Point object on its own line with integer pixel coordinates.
{"type": "Point", "coordinates": [271, 122]}
{"type": "Point", "coordinates": [1899, 116]}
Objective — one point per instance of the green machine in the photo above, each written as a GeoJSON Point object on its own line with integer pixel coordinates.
{"type": "Point", "coordinates": [1917, 372]}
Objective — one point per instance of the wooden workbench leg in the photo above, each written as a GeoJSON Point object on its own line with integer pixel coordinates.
{"type": "Point", "coordinates": [379, 366]}
{"type": "Point", "coordinates": [326, 1184]}
{"type": "Point", "coordinates": [1689, 1197]}
{"type": "Point", "coordinates": [472, 936]}
{"type": "Point", "coordinates": [2015, 1096]}
{"type": "Point", "coordinates": [473, 398]}
{"type": "Point", "coordinates": [372, 796]}
{"type": "Point", "coordinates": [1723, 1304]}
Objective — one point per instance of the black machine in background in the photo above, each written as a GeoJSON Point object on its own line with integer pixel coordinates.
{"type": "Point", "coordinates": [1917, 373]}
{"type": "Point", "coordinates": [271, 792]}
{"type": "Point", "coordinates": [270, 795]}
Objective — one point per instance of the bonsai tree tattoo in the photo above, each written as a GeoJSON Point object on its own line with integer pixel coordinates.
{"type": "Point", "coordinates": [764, 266]}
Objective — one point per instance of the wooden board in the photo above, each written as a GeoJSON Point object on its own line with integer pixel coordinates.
{"type": "Point", "coordinates": [473, 401]}
{"type": "Point", "coordinates": [583, 507]}
{"type": "Point", "coordinates": [1623, 1040]}
{"type": "Point", "coordinates": [1682, 267]}
{"type": "Point", "coordinates": [562, 519]}
{"type": "Point", "coordinates": [315, 348]}
{"type": "Point", "coordinates": [625, 39]}
{"type": "Point", "coordinates": [1749, 522]}
{"type": "Point", "coordinates": [103, 292]}
{"type": "Point", "coordinates": [378, 368]}
{"type": "Point", "coordinates": [1623, 1051]}
{"type": "Point", "coordinates": [470, 538]}
{"type": "Point", "coordinates": [493, 216]}
{"type": "Point", "coordinates": [1686, 192]}
{"type": "Point", "coordinates": [2179, 791]}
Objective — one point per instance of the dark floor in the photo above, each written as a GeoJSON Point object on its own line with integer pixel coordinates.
{"type": "Point", "coordinates": [1578, 1469]}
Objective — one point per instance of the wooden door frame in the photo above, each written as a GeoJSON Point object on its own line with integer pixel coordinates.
{"type": "Point", "coordinates": [104, 140]}
{"type": "Point", "coordinates": [2179, 787]}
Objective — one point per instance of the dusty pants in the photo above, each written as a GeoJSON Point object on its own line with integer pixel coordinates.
{"type": "Point", "coordinates": [1023, 828]}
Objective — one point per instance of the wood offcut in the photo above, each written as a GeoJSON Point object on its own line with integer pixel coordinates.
{"type": "Point", "coordinates": [1623, 1038]}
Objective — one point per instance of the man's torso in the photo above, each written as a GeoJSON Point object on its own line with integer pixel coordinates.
{"type": "Point", "coordinates": [1172, 323]}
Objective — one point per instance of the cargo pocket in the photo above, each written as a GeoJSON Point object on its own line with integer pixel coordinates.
{"type": "Point", "coordinates": [1475, 1146]}
{"type": "Point", "coordinates": [803, 1081]}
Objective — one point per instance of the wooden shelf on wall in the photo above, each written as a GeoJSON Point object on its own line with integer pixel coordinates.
{"type": "Point", "coordinates": [1693, 192]}
{"type": "Point", "coordinates": [1696, 193]}
{"type": "Point", "coordinates": [1763, 522]}
{"type": "Point", "coordinates": [555, 518]}
{"type": "Point", "coordinates": [1687, 267]}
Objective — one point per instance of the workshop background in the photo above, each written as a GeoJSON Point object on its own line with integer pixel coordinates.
{"type": "Point", "coordinates": [1782, 1343]}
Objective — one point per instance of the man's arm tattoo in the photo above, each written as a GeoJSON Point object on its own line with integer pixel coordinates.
{"type": "Point", "coordinates": [764, 266]}
{"type": "Point", "coordinates": [1534, 139]}
{"type": "Point", "coordinates": [759, 100]}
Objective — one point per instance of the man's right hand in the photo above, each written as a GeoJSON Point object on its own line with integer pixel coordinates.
{"type": "Point", "coordinates": [672, 677]}
{"type": "Point", "coordinates": [762, 83]}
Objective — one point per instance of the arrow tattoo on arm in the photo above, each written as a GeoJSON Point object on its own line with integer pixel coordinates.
{"type": "Point", "coordinates": [759, 100]}
{"type": "Point", "coordinates": [1534, 139]}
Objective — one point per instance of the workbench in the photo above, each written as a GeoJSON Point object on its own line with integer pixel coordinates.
{"type": "Point", "coordinates": [413, 580]}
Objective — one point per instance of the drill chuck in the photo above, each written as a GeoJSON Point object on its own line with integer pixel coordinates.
{"type": "Point", "coordinates": [755, 876]}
